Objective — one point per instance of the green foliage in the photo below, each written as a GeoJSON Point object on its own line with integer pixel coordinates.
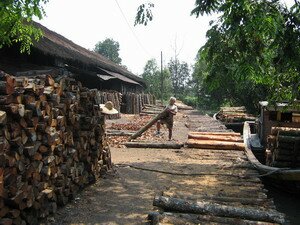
{"type": "Point", "coordinates": [180, 75]}
{"type": "Point", "coordinates": [152, 77]}
{"type": "Point", "coordinates": [110, 49]}
{"type": "Point", "coordinates": [16, 22]}
{"type": "Point", "coordinates": [252, 52]}
{"type": "Point", "coordinates": [144, 14]}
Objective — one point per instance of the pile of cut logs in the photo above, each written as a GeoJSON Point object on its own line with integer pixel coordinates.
{"type": "Point", "coordinates": [52, 144]}
{"type": "Point", "coordinates": [133, 103]}
{"type": "Point", "coordinates": [113, 96]}
{"type": "Point", "coordinates": [283, 147]}
{"type": "Point", "coordinates": [234, 115]}
{"type": "Point", "coordinates": [215, 140]}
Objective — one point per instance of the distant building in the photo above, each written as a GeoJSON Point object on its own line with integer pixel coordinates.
{"type": "Point", "coordinates": [54, 53]}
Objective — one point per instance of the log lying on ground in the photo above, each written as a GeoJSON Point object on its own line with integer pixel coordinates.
{"type": "Point", "coordinates": [220, 145]}
{"type": "Point", "coordinates": [153, 145]}
{"type": "Point", "coordinates": [148, 125]}
{"type": "Point", "coordinates": [119, 132]}
{"type": "Point", "coordinates": [234, 134]}
{"type": "Point", "coordinates": [179, 205]}
{"type": "Point", "coordinates": [157, 218]}
{"type": "Point", "coordinates": [225, 199]}
{"type": "Point", "coordinates": [215, 137]}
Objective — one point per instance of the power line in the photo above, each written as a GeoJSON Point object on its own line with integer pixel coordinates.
{"type": "Point", "coordinates": [128, 24]}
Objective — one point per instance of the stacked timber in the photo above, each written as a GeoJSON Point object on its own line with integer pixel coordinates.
{"type": "Point", "coordinates": [113, 96]}
{"type": "Point", "coordinates": [234, 115]}
{"type": "Point", "coordinates": [151, 110]}
{"type": "Point", "coordinates": [215, 140]}
{"type": "Point", "coordinates": [133, 102]}
{"type": "Point", "coordinates": [52, 144]}
{"type": "Point", "coordinates": [283, 147]}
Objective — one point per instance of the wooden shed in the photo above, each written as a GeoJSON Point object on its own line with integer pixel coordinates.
{"type": "Point", "coordinates": [54, 52]}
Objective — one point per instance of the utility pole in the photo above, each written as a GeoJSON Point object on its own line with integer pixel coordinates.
{"type": "Point", "coordinates": [161, 79]}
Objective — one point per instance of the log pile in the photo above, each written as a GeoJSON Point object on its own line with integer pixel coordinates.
{"type": "Point", "coordinates": [113, 96]}
{"type": "Point", "coordinates": [215, 140]}
{"type": "Point", "coordinates": [283, 147]}
{"type": "Point", "coordinates": [234, 115]}
{"type": "Point", "coordinates": [133, 103]}
{"type": "Point", "coordinates": [52, 144]}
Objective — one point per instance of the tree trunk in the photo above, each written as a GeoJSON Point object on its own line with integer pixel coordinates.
{"type": "Point", "coordinates": [179, 205]}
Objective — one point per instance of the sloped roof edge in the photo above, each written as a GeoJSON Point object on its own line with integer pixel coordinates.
{"type": "Point", "coordinates": [57, 45]}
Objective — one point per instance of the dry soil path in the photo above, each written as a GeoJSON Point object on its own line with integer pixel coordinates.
{"type": "Point", "coordinates": [126, 196]}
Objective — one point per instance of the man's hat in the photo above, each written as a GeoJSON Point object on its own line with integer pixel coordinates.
{"type": "Point", "coordinates": [108, 108]}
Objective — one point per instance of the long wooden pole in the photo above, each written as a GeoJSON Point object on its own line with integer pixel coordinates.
{"type": "Point", "coordinates": [148, 125]}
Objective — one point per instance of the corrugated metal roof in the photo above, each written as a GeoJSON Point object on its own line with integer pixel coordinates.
{"type": "Point", "coordinates": [121, 77]}
{"type": "Point", "coordinates": [105, 77]}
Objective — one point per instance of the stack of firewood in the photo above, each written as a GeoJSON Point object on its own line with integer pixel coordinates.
{"type": "Point", "coordinates": [283, 147]}
{"type": "Point", "coordinates": [234, 114]}
{"type": "Point", "coordinates": [113, 96]}
{"type": "Point", "coordinates": [133, 103]}
{"type": "Point", "coordinates": [52, 144]}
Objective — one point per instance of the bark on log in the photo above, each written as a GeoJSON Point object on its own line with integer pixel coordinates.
{"type": "Point", "coordinates": [179, 205]}
{"type": "Point", "coordinates": [288, 131]}
{"type": "Point", "coordinates": [148, 125]}
{"type": "Point", "coordinates": [157, 218]}
{"type": "Point", "coordinates": [220, 145]}
{"type": "Point", "coordinates": [234, 134]}
{"type": "Point", "coordinates": [2, 117]}
{"type": "Point", "coordinates": [153, 145]}
{"type": "Point", "coordinates": [215, 137]}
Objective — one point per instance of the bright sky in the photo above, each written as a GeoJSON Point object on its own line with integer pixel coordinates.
{"type": "Point", "coordinates": [87, 22]}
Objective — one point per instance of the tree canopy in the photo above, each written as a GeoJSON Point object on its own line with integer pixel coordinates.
{"type": "Point", "coordinates": [16, 22]}
{"type": "Point", "coordinates": [252, 50]}
{"type": "Point", "coordinates": [110, 49]}
{"type": "Point", "coordinates": [180, 74]}
{"type": "Point", "coordinates": [152, 76]}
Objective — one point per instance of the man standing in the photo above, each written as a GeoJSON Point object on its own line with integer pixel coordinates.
{"type": "Point", "coordinates": [171, 110]}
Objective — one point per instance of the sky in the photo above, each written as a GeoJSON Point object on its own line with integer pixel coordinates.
{"type": "Point", "coordinates": [172, 30]}
{"type": "Point", "coordinates": [90, 21]}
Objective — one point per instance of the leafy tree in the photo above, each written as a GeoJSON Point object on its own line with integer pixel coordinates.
{"type": "Point", "coordinates": [252, 52]}
{"type": "Point", "coordinates": [248, 51]}
{"type": "Point", "coordinates": [16, 22]}
{"type": "Point", "coordinates": [110, 49]}
{"type": "Point", "coordinates": [152, 77]}
{"type": "Point", "coordinates": [180, 75]}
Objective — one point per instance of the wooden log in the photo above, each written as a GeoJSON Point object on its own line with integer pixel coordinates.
{"type": "Point", "coordinates": [220, 145]}
{"type": "Point", "coordinates": [179, 205]}
{"type": "Point", "coordinates": [157, 218]}
{"type": "Point", "coordinates": [153, 145]}
{"type": "Point", "coordinates": [148, 125]}
{"type": "Point", "coordinates": [288, 139]}
{"type": "Point", "coordinates": [215, 137]}
{"type": "Point", "coordinates": [217, 133]}
{"type": "Point", "coordinates": [6, 89]}
{"type": "Point", "coordinates": [221, 199]}
{"type": "Point", "coordinates": [3, 118]}
{"type": "Point", "coordinates": [287, 131]}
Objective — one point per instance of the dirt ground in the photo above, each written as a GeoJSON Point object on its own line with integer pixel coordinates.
{"type": "Point", "coordinates": [125, 196]}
